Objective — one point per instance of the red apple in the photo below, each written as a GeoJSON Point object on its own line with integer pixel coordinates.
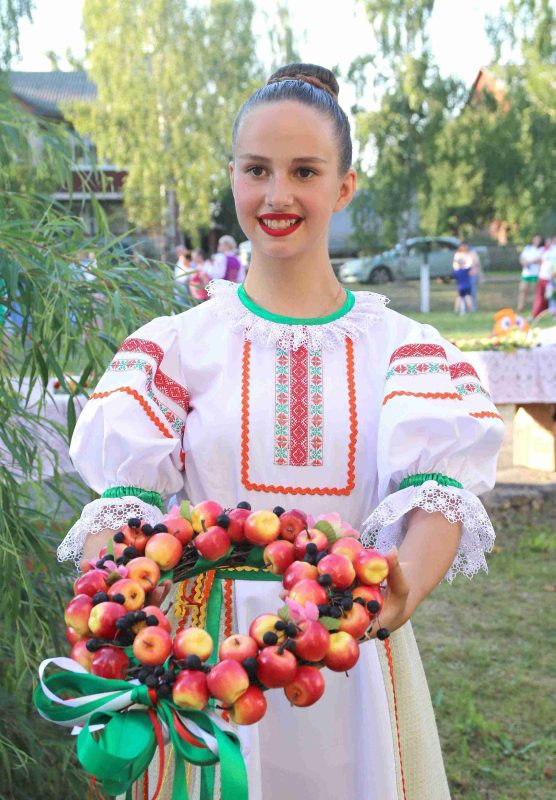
{"type": "Point", "coordinates": [192, 642]}
{"type": "Point", "coordinates": [80, 654]}
{"type": "Point", "coordinates": [312, 643]}
{"type": "Point", "coordinates": [263, 624]}
{"type": "Point", "coordinates": [178, 527]}
{"type": "Point", "coordinates": [154, 611]}
{"type": "Point", "coordinates": [306, 688]}
{"type": "Point", "coordinates": [369, 594]}
{"type": "Point", "coordinates": [314, 536]}
{"type": "Point", "coordinates": [90, 583]}
{"type": "Point", "coordinates": [118, 550]}
{"type": "Point", "coordinates": [340, 569]}
{"type": "Point", "coordinates": [102, 619]}
{"type": "Point", "coordinates": [250, 707]}
{"type": "Point", "coordinates": [276, 669]}
{"type": "Point", "coordinates": [238, 647]}
{"type": "Point", "coordinates": [152, 645]}
{"type": "Point", "coordinates": [343, 652]}
{"type": "Point", "coordinates": [77, 613]}
{"type": "Point", "coordinates": [190, 690]}
{"type": "Point", "coordinates": [370, 566]}
{"type": "Point", "coordinates": [134, 538]}
{"type": "Point", "coordinates": [132, 591]}
{"type": "Point", "coordinates": [355, 621]}
{"type": "Point", "coordinates": [308, 591]}
{"type": "Point", "coordinates": [278, 555]}
{"type": "Point", "coordinates": [235, 529]}
{"type": "Point", "coordinates": [292, 523]}
{"type": "Point", "coordinates": [145, 571]}
{"type": "Point", "coordinates": [110, 662]}
{"type": "Point", "coordinates": [204, 515]}
{"type": "Point", "coordinates": [72, 635]}
{"type": "Point", "coordinates": [261, 527]}
{"type": "Point", "coordinates": [227, 681]}
{"type": "Point", "coordinates": [165, 549]}
{"type": "Point", "coordinates": [347, 546]}
{"type": "Point", "coordinates": [298, 571]}
{"type": "Point", "coordinates": [213, 544]}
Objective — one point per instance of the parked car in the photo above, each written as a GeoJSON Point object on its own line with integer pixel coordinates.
{"type": "Point", "coordinates": [404, 261]}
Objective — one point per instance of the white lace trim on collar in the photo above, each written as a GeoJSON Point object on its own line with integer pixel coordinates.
{"type": "Point", "coordinates": [367, 310]}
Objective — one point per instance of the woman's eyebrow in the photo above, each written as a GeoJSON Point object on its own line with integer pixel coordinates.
{"type": "Point", "coordinates": [302, 159]}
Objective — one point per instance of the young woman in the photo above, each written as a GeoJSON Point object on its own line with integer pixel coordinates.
{"type": "Point", "coordinates": [290, 390]}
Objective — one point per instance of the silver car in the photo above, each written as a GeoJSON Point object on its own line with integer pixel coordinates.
{"type": "Point", "coordinates": [404, 261]}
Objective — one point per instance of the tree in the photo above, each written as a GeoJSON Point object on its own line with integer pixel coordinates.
{"type": "Point", "coordinates": [170, 78]}
{"type": "Point", "coordinates": [11, 13]}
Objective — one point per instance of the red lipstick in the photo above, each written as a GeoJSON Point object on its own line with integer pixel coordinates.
{"type": "Point", "coordinates": [294, 218]}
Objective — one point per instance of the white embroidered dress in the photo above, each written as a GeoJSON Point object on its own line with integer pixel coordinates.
{"type": "Point", "coordinates": [228, 402]}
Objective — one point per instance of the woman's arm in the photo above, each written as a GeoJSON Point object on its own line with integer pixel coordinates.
{"type": "Point", "coordinates": [425, 555]}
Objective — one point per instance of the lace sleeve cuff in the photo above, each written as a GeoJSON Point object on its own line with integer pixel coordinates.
{"type": "Point", "coordinates": [386, 526]}
{"type": "Point", "coordinates": [101, 514]}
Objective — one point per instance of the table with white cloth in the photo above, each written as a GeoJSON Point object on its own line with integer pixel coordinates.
{"type": "Point", "coordinates": [522, 384]}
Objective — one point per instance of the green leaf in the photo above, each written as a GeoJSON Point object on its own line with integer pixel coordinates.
{"type": "Point", "coordinates": [284, 613]}
{"type": "Point", "coordinates": [328, 530]}
{"type": "Point", "coordinates": [185, 510]}
{"type": "Point", "coordinates": [71, 417]}
{"type": "Point", "coordinates": [330, 623]}
{"type": "Point", "coordinates": [110, 547]}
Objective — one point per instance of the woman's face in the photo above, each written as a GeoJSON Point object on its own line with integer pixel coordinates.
{"type": "Point", "coordinates": [285, 179]}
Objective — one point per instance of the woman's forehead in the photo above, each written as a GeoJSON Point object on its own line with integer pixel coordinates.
{"type": "Point", "coordinates": [286, 129]}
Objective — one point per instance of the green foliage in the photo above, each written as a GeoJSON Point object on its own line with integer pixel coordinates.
{"type": "Point", "coordinates": [54, 316]}
{"type": "Point", "coordinates": [11, 12]}
{"type": "Point", "coordinates": [170, 76]}
{"type": "Point", "coordinates": [398, 25]}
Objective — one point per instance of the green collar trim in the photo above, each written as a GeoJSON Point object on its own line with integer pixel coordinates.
{"type": "Point", "coordinates": [262, 312]}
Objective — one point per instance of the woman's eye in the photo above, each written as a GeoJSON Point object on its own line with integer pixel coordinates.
{"type": "Point", "coordinates": [305, 172]}
{"type": "Point", "coordinates": [256, 171]}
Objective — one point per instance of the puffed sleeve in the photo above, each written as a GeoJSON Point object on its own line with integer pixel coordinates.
{"type": "Point", "coordinates": [438, 444]}
{"type": "Point", "coordinates": [127, 443]}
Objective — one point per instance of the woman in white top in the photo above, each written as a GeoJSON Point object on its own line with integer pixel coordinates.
{"type": "Point", "coordinates": [290, 390]}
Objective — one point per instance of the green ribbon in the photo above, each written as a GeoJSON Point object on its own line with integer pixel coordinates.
{"type": "Point", "coordinates": [421, 478]}
{"type": "Point", "coordinates": [152, 498]}
{"type": "Point", "coordinates": [124, 748]}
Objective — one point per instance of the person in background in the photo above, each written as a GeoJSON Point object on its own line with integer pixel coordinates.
{"type": "Point", "coordinates": [462, 268]}
{"type": "Point", "coordinates": [183, 264]}
{"type": "Point", "coordinates": [547, 270]}
{"type": "Point", "coordinates": [530, 260]}
{"type": "Point", "coordinates": [199, 278]}
{"type": "Point", "coordinates": [226, 263]}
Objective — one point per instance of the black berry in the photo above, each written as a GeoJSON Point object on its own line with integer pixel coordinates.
{"type": "Point", "coordinates": [270, 638]}
{"type": "Point", "coordinates": [360, 601]}
{"type": "Point", "coordinates": [324, 610]}
{"type": "Point", "coordinates": [311, 548]}
{"type": "Point", "coordinates": [244, 504]}
{"type": "Point", "coordinates": [223, 520]}
{"type": "Point", "coordinates": [291, 630]}
{"type": "Point", "coordinates": [382, 634]}
{"type": "Point", "coordinates": [309, 559]}
{"type": "Point", "coordinates": [143, 674]}
{"type": "Point", "coordinates": [100, 597]}
{"type": "Point", "coordinates": [134, 522]}
{"type": "Point", "coordinates": [193, 662]}
{"type": "Point", "coordinates": [250, 667]}
{"type": "Point", "coordinates": [130, 552]}
{"type": "Point", "coordinates": [147, 529]}
{"type": "Point", "coordinates": [373, 606]}
{"type": "Point", "coordinates": [126, 638]}
{"type": "Point", "coordinates": [347, 603]}
{"type": "Point", "coordinates": [169, 676]}
{"type": "Point", "coordinates": [278, 510]}
{"type": "Point", "coordinates": [164, 690]}
{"type": "Point", "coordinates": [119, 537]}
{"type": "Point", "coordinates": [151, 681]}
{"type": "Point", "coordinates": [93, 645]}
{"type": "Point", "coordinates": [290, 645]}
{"type": "Point", "coordinates": [320, 556]}
{"type": "Point", "coordinates": [280, 625]}
{"type": "Point", "coordinates": [122, 624]}
{"type": "Point", "coordinates": [325, 580]}
{"type": "Point", "coordinates": [159, 670]}
{"type": "Point", "coordinates": [335, 612]}
{"type": "Point", "coordinates": [160, 528]}
{"type": "Point", "coordinates": [118, 598]}
{"type": "Point", "coordinates": [152, 620]}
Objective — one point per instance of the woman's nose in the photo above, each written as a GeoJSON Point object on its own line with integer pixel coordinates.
{"type": "Point", "coordinates": [279, 194]}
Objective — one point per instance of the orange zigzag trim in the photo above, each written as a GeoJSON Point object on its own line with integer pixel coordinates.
{"type": "Point", "coordinates": [391, 668]}
{"type": "Point", "coordinates": [481, 414]}
{"type": "Point", "coordinates": [260, 487]}
{"type": "Point", "coordinates": [432, 395]}
{"type": "Point", "coordinates": [141, 400]}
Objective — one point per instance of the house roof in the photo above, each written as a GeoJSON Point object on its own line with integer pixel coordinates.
{"type": "Point", "coordinates": [42, 92]}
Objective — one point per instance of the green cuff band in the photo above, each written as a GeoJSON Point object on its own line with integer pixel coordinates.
{"type": "Point", "coordinates": [418, 480]}
{"type": "Point", "coordinates": [152, 498]}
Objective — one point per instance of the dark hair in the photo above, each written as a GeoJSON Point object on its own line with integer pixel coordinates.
{"type": "Point", "coordinates": [308, 84]}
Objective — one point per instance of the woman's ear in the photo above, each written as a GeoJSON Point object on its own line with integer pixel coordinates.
{"type": "Point", "coordinates": [231, 172]}
{"type": "Point", "coordinates": [347, 189]}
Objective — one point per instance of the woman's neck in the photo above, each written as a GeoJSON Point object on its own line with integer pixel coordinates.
{"type": "Point", "coordinates": [294, 289]}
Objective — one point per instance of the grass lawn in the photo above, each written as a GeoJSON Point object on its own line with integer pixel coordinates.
{"type": "Point", "coordinates": [488, 648]}
{"type": "Point", "coordinates": [498, 291]}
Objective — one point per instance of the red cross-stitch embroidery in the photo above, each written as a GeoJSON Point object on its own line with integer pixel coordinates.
{"type": "Point", "coordinates": [166, 385]}
{"type": "Point", "coordinates": [460, 369]}
{"type": "Point", "coordinates": [418, 351]}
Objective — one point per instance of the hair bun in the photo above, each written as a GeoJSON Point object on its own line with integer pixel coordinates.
{"type": "Point", "coordinates": [320, 77]}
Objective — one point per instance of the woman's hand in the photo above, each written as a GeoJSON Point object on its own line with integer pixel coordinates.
{"type": "Point", "coordinates": [396, 609]}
